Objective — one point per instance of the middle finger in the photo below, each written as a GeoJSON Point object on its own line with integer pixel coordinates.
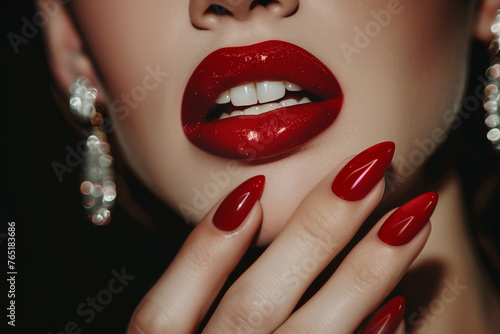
{"type": "Point", "coordinates": [265, 295]}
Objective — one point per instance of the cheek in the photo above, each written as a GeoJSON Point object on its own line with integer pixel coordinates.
{"type": "Point", "coordinates": [405, 84]}
{"type": "Point", "coordinates": [436, 56]}
{"type": "Point", "coordinates": [144, 64]}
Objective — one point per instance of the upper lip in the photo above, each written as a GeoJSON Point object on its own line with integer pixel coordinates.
{"type": "Point", "coordinates": [267, 61]}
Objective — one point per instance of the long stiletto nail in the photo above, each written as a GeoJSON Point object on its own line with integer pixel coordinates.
{"type": "Point", "coordinates": [404, 224]}
{"type": "Point", "coordinates": [236, 206]}
{"type": "Point", "coordinates": [386, 320]}
{"type": "Point", "coordinates": [363, 172]}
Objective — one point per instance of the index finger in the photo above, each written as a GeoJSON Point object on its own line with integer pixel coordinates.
{"type": "Point", "coordinates": [179, 300]}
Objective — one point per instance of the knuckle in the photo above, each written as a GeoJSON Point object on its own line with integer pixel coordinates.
{"type": "Point", "coordinates": [367, 274]}
{"type": "Point", "coordinates": [321, 225]}
{"type": "Point", "coordinates": [201, 256]}
{"type": "Point", "coordinates": [149, 318]}
{"type": "Point", "coordinates": [246, 311]}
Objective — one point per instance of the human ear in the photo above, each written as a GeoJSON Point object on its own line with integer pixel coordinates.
{"type": "Point", "coordinates": [485, 17]}
{"type": "Point", "coordinates": [65, 49]}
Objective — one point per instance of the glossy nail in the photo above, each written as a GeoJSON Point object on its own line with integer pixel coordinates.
{"type": "Point", "coordinates": [363, 172]}
{"type": "Point", "coordinates": [404, 224]}
{"type": "Point", "coordinates": [386, 320]}
{"type": "Point", "coordinates": [235, 207]}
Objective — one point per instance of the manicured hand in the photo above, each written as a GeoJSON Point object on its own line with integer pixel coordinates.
{"type": "Point", "coordinates": [264, 298]}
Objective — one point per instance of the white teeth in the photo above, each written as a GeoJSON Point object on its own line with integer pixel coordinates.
{"type": "Point", "coordinates": [292, 87]}
{"type": "Point", "coordinates": [269, 107]}
{"type": "Point", "coordinates": [288, 103]}
{"type": "Point", "coordinates": [263, 108]}
{"type": "Point", "coordinates": [237, 113]}
{"type": "Point", "coordinates": [223, 98]}
{"type": "Point", "coordinates": [263, 92]}
{"type": "Point", "coordinates": [268, 91]}
{"type": "Point", "coordinates": [245, 95]}
{"type": "Point", "coordinates": [304, 100]}
{"type": "Point", "coordinates": [252, 111]}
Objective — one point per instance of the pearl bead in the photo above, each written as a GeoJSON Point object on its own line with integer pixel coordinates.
{"type": "Point", "coordinates": [492, 121]}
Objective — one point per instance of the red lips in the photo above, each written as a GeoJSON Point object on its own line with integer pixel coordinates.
{"type": "Point", "coordinates": [266, 135]}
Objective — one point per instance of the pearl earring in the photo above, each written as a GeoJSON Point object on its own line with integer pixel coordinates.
{"type": "Point", "coordinates": [98, 187]}
{"type": "Point", "coordinates": [491, 90]}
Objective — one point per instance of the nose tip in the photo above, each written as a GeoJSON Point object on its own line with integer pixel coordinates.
{"type": "Point", "coordinates": [207, 14]}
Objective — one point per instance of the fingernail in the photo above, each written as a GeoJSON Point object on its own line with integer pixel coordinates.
{"type": "Point", "coordinates": [404, 224]}
{"type": "Point", "coordinates": [386, 320]}
{"type": "Point", "coordinates": [363, 172]}
{"type": "Point", "coordinates": [235, 207]}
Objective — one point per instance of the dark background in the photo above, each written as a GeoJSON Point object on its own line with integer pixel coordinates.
{"type": "Point", "coordinates": [62, 259]}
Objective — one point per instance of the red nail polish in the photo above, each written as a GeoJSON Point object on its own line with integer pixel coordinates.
{"type": "Point", "coordinates": [363, 172]}
{"type": "Point", "coordinates": [236, 206]}
{"type": "Point", "coordinates": [404, 224]}
{"type": "Point", "coordinates": [386, 320]}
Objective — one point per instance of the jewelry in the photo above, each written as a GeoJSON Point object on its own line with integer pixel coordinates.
{"type": "Point", "coordinates": [492, 86]}
{"type": "Point", "coordinates": [98, 187]}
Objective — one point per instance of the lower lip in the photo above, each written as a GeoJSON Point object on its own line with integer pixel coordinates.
{"type": "Point", "coordinates": [266, 135]}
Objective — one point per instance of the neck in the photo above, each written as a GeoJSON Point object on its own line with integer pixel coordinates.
{"type": "Point", "coordinates": [446, 288]}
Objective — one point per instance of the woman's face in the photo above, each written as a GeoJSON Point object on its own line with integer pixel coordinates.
{"type": "Point", "coordinates": [400, 65]}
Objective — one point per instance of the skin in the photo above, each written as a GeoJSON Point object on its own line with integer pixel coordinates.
{"type": "Point", "coordinates": [403, 86]}
{"type": "Point", "coordinates": [402, 117]}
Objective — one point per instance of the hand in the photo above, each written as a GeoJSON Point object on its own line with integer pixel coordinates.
{"type": "Point", "coordinates": [263, 298]}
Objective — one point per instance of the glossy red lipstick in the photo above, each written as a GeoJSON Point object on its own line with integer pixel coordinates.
{"type": "Point", "coordinates": [269, 134]}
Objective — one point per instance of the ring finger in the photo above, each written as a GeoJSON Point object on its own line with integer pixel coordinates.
{"type": "Point", "coordinates": [368, 273]}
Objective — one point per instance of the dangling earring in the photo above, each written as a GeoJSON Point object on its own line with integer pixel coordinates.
{"type": "Point", "coordinates": [98, 187]}
{"type": "Point", "coordinates": [491, 91]}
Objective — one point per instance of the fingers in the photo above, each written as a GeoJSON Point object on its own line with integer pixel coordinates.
{"type": "Point", "coordinates": [369, 272]}
{"type": "Point", "coordinates": [181, 297]}
{"type": "Point", "coordinates": [261, 299]}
